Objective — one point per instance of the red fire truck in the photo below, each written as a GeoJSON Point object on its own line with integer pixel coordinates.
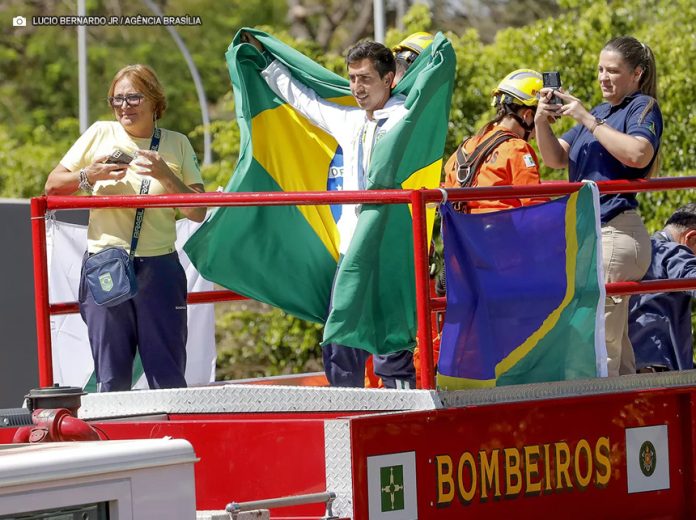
{"type": "Point", "coordinates": [607, 448]}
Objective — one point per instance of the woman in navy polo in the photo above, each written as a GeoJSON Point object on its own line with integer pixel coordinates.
{"type": "Point", "coordinates": [618, 139]}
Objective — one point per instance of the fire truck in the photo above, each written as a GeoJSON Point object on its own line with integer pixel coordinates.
{"type": "Point", "coordinates": [291, 447]}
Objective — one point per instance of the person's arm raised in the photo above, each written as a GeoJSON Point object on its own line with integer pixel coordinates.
{"type": "Point", "coordinates": [247, 37]}
{"type": "Point", "coordinates": [554, 151]}
{"type": "Point", "coordinates": [632, 151]}
{"type": "Point", "coordinates": [328, 116]}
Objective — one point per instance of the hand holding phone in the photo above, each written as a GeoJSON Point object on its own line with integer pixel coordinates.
{"type": "Point", "coordinates": [552, 80]}
{"type": "Point", "coordinates": [119, 157]}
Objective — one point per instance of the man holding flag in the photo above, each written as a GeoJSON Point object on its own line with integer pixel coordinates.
{"type": "Point", "coordinates": [371, 70]}
{"type": "Point", "coordinates": [350, 267]}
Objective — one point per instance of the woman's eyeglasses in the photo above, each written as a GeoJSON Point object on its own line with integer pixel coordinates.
{"type": "Point", "coordinates": [132, 100]}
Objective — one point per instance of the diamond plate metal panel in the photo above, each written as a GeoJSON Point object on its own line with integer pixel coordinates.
{"type": "Point", "coordinates": [254, 398]}
{"type": "Point", "coordinates": [212, 515]}
{"type": "Point", "coordinates": [540, 391]}
{"type": "Point", "coordinates": [339, 467]}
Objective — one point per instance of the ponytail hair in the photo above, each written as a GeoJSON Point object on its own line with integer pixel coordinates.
{"type": "Point", "coordinates": [637, 54]}
{"type": "Point", "coordinates": [503, 109]}
{"type": "Point", "coordinates": [500, 114]}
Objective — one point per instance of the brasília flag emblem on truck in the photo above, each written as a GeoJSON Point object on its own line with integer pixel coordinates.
{"type": "Point", "coordinates": [392, 487]}
{"type": "Point", "coordinates": [391, 484]}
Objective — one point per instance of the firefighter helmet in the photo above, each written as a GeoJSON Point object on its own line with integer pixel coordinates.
{"type": "Point", "coordinates": [409, 48]}
{"type": "Point", "coordinates": [520, 87]}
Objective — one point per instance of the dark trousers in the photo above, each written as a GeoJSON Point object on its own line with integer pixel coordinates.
{"type": "Point", "coordinates": [345, 366]}
{"type": "Point", "coordinates": [153, 322]}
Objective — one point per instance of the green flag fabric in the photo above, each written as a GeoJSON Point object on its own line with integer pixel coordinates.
{"type": "Point", "coordinates": [374, 299]}
{"type": "Point", "coordinates": [287, 255]}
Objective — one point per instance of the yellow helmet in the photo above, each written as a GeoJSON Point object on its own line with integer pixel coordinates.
{"type": "Point", "coordinates": [520, 87]}
{"type": "Point", "coordinates": [411, 46]}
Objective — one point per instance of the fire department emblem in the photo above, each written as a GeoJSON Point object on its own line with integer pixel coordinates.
{"type": "Point", "coordinates": [647, 458]}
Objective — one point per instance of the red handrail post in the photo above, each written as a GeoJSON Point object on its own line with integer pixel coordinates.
{"type": "Point", "coordinates": [43, 318]}
{"type": "Point", "coordinates": [420, 256]}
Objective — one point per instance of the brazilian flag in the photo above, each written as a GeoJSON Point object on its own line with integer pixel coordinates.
{"type": "Point", "coordinates": [287, 256]}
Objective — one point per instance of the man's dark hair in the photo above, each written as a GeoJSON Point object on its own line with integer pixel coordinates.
{"type": "Point", "coordinates": [381, 56]}
{"type": "Point", "coordinates": [684, 218]}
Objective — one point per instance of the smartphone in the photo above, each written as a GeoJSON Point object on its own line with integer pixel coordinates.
{"type": "Point", "coordinates": [119, 157]}
{"type": "Point", "coordinates": [552, 80]}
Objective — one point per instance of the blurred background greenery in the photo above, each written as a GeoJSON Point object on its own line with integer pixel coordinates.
{"type": "Point", "coordinates": [39, 94]}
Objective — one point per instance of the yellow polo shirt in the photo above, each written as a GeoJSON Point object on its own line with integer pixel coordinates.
{"type": "Point", "coordinates": [114, 226]}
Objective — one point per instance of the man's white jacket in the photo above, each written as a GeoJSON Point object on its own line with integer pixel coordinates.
{"type": "Point", "coordinates": [349, 126]}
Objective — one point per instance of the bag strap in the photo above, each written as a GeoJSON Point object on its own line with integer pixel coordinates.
{"type": "Point", "coordinates": [468, 165]}
{"type": "Point", "coordinates": [144, 188]}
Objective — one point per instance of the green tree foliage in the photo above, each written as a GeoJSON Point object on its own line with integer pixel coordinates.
{"type": "Point", "coordinates": [256, 340]}
{"type": "Point", "coordinates": [570, 43]}
{"type": "Point", "coordinates": [488, 17]}
{"type": "Point", "coordinates": [38, 65]}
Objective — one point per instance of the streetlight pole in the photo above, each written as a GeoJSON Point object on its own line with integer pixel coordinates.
{"type": "Point", "coordinates": [378, 10]}
{"type": "Point", "coordinates": [82, 69]}
{"type": "Point", "coordinates": [207, 158]}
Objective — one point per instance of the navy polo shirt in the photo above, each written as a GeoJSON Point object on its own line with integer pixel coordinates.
{"type": "Point", "coordinates": [659, 324]}
{"type": "Point", "coordinates": [588, 159]}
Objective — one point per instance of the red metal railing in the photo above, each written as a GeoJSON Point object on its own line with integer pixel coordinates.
{"type": "Point", "coordinates": [417, 198]}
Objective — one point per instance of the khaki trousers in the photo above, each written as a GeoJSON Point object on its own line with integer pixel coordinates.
{"type": "Point", "coordinates": [627, 253]}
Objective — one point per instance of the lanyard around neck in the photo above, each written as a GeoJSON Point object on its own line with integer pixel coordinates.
{"type": "Point", "coordinates": [144, 188]}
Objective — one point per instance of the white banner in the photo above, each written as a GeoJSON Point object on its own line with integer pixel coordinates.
{"type": "Point", "coordinates": [72, 357]}
{"type": "Point", "coordinates": [647, 458]}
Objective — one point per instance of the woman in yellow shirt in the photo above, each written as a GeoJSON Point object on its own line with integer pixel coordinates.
{"type": "Point", "coordinates": [153, 322]}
